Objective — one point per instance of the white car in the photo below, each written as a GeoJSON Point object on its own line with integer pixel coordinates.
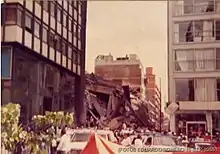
{"type": "Point", "coordinates": [160, 143]}
{"type": "Point", "coordinates": [80, 137]}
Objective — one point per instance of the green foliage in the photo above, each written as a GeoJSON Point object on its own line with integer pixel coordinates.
{"type": "Point", "coordinates": [43, 128]}
{"type": "Point", "coordinates": [11, 131]}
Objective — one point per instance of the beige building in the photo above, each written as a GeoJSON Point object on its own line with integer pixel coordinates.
{"type": "Point", "coordinates": [194, 65]}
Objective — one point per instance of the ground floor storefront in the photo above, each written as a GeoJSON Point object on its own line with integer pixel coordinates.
{"type": "Point", "coordinates": [195, 121]}
{"type": "Point", "coordinates": [37, 84]}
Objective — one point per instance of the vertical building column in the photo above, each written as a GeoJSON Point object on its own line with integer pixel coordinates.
{"type": "Point", "coordinates": [173, 123]}
{"type": "Point", "coordinates": [209, 121]}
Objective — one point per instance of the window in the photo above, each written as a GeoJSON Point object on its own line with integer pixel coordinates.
{"type": "Point", "coordinates": [51, 39]}
{"type": "Point", "coordinates": [58, 42]}
{"type": "Point", "coordinates": [75, 15]}
{"type": "Point", "coordinates": [70, 25]}
{"type": "Point", "coordinates": [79, 32]}
{"type": "Point", "coordinates": [19, 17]}
{"type": "Point", "coordinates": [218, 58]}
{"type": "Point", "coordinates": [59, 12]}
{"type": "Point", "coordinates": [188, 6]}
{"type": "Point", "coordinates": [52, 8]}
{"type": "Point", "coordinates": [80, 19]}
{"type": "Point", "coordinates": [6, 62]}
{"type": "Point", "coordinates": [74, 28]}
{"type": "Point", "coordinates": [217, 29]}
{"type": "Point", "coordinates": [75, 56]}
{"type": "Point", "coordinates": [204, 59]}
{"type": "Point", "coordinates": [79, 45]}
{"type": "Point", "coordinates": [186, 32]}
{"type": "Point", "coordinates": [38, 1]}
{"type": "Point", "coordinates": [75, 41]}
{"type": "Point", "coordinates": [78, 58]}
{"type": "Point", "coordinates": [45, 33]}
{"type": "Point", "coordinates": [37, 28]}
{"type": "Point", "coordinates": [46, 5]}
{"type": "Point", "coordinates": [10, 15]}
{"type": "Point", "coordinates": [28, 22]}
{"type": "Point", "coordinates": [202, 6]}
{"type": "Point", "coordinates": [70, 51]}
{"type": "Point", "coordinates": [64, 19]}
{"type": "Point", "coordinates": [184, 60]}
{"type": "Point", "coordinates": [64, 47]}
{"type": "Point", "coordinates": [184, 90]}
{"type": "Point", "coordinates": [79, 7]}
{"type": "Point", "coordinates": [218, 89]}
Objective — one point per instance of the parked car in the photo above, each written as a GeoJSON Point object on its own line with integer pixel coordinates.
{"type": "Point", "coordinates": [159, 143]}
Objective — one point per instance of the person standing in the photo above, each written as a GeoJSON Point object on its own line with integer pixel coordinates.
{"type": "Point", "coordinates": [64, 145]}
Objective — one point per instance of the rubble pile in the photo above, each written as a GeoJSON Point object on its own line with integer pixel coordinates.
{"type": "Point", "coordinates": [106, 104]}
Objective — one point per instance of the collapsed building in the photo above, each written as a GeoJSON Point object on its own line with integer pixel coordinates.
{"type": "Point", "coordinates": [112, 104]}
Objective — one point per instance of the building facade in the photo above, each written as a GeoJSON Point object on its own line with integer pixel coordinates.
{"type": "Point", "coordinates": [153, 94]}
{"type": "Point", "coordinates": [43, 55]}
{"type": "Point", "coordinates": [194, 65]}
{"type": "Point", "coordinates": [124, 70]}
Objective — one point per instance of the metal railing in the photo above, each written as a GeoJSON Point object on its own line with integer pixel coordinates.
{"type": "Point", "coordinates": [197, 65]}
{"type": "Point", "coordinates": [197, 36]}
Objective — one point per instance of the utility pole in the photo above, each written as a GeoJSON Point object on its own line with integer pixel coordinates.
{"type": "Point", "coordinates": [160, 107]}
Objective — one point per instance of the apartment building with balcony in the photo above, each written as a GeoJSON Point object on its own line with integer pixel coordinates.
{"type": "Point", "coordinates": [43, 55]}
{"type": "Point", "coordinates": [194, 65]}
{"type": "Point", "coordinates": [153, 96]}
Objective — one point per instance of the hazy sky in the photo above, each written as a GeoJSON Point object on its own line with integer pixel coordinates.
{"type": "Point", "coordinates": [126, 27]}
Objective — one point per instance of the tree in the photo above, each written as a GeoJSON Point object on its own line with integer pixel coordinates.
{"type": "Point", "coordinates": [42, 128]}
{"type": "Point", "coordinates": [11, 132]}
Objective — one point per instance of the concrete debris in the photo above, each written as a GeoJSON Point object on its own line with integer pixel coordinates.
{"type": "Point", "coordinates": [106, 103]}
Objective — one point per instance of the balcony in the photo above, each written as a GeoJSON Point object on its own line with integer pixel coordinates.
{"type": "Point", "coordinates": [207, 65]}
{"type": "Point", "coordinates": [188, 105]}
{"type": "Point", "coordinates": [195, 8]}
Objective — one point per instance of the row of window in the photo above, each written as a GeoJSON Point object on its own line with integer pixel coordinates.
{"type": "Point", "coordinates": [13, 15]}
{"type": "Point", "coordinates": [6, 61]}
{"type": "Point", "coordinates": [199, 89]}
{"type": "Point", "coordinates": [197, 31]}
{"type": "Point", "coordinates": [186, 7]}
{"type": "Point", "coordinates": [62, 15]}
{"type": "Point", "coordinates": [197, 60]}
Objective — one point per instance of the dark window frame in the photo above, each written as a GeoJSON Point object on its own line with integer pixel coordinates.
{"type": "Point", "coordinates": [65, 23]}
{"type": "Point", "coordinates": [52, 8]}
{"type": "Point", "coordinates": [30, 27]}
{"type": "Point", "coordinates": [8, 8]}
{"type": "Point", "coordinates": [190, 97]}
{"type": "Point", "coordinates": [64, 47]}
{"type": "Point", "coordinates": [45, 5]}
{"type": "Point", "coordinates": [38, 22]}
{"type": "Point", "coordinates": [45, 27]}
{"type": "Point", "coordinates": [10, 62]}
{"type": "Point", "coordinates": [59, 9]}
{"type": "Point", "coordinates": [70, 53]}
{"type": "Point", "coordinates": [51, 39]}
{"type": "Point", "coordinates": [58, 42]}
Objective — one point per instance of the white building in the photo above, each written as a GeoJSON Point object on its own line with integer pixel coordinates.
{"type": "Point", "coordinates": [194, 64]}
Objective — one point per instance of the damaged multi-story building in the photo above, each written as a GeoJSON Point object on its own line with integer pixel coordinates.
{"type": "Point", "coordinates": [107, 104]}
{"type": "Point", "coordinates": [153, 95]}
{"type": "Point", "coordinates": [125, 71]}
{"type": "Point", "coordinates": [43, 55]}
